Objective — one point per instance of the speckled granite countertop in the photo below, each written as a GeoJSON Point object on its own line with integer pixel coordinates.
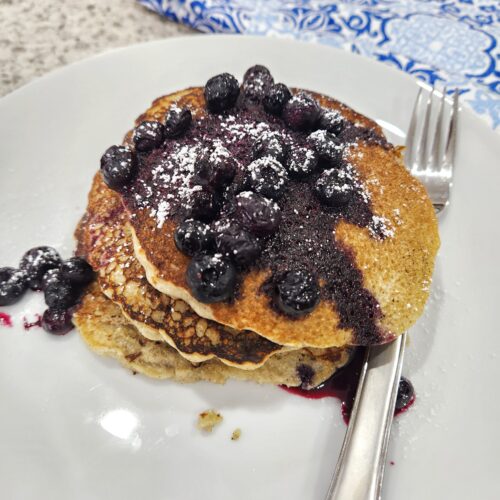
{"type": "Point", "coordinates": [37, 36]}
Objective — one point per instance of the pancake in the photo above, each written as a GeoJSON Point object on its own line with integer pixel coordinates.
{"type": "Point", "coordinates": [375, 258]}
{"type": "Point", "coordinates": [106, 245]}
{"type": "Point", "coordinates": [107, 332]}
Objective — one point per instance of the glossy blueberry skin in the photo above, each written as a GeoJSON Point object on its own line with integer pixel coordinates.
{"type": "Point", "coordinates": [270, 144]}
{"type": "Point", "coordinates": [205, 205]}
{"type": "Point", "coordinates": [256, 83]}
{"type": "Point", "coordinates": [177, 121]}
{"type": "Point", "coordinates": [328, 148]}
{"type": "Point", "coordinates": [192, 237]}
{"type": "Point", "coordinates": [333, 190]}
{"type": "Point", "coordinates": [301, 112]}
{"type": "Point", "coordinates": [57, 321]}
{"type": "Point", "coordinates": [221, 92]}
{"type": "Point", "coordinates": [276, 98]}
{"type": "Point", "coordinates": [237, 244]}
{"type": "Point", "coordinates": [268, 177]}
{"type": "Point", "coordinates": [77, 270]}
{"type": "Point", "coordinates": [36, 262]}
{"type": "Point", "coordinates": [13, 284]}
{"type": "Point", "coordinates": [258, 214]}
{"type": "Point", "coordinates": [297, 293]}
{"type": "Point", "coordinates": [61, 295]}
{"type": "Point", "coordinates": [214, 168]}
{"type": "Point", "coordinates": [148, 135]}
{"type": "Point", "coordinates": [406, 393]}
{"type": "Point", "coordinates": [211, 278]}
{"type": "Point", "coordinates": [118, 166]}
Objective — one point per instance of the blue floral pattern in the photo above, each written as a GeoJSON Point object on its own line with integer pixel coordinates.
{"type": "Point", "coordinates": [452, 43]}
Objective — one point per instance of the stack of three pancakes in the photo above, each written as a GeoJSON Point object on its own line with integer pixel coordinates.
{"type": "Point", "coordinates": [142, 312]}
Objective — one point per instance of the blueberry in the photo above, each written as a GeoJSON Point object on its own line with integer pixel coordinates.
{"type": "Point", "coordinates": [36, 262]}
{"type": "Point", "coordinates": [57, 321]}
{"type": "Point", "coordinates": [270, 144]}
{"type": "Point", "coordinates": [306, 375]}
{"type": "Point", "coordinates": [256, 83]}
{"type": "Point", "coordinates": [51, 276]}
{"type": "Point", "coordinates": [267, 177]}
{"type": "Point", "coordinates": [13, 284]}
{"type": "Point", "coordinates": [276, 98]}
{"type": "Point", "coordinates": [406, 394]}
{"type": "Point", "coordinates": [118, 166]}
{"type": "Point", "coordinates": [61, 295]}
{"type": "Point", "coordinates": [331, 121]}
{"type": "Point", "coordinates": [297, 292]}
{"type": "Point", "coordinates": [328, 147]}
{"type": "Point", "coordinates": [212, 278]}
{"type": "Point", "coordinates": [77, 270]}
{"type": "Point", "coordinates": [301, 112]}
{"type": "Point", "coordinates": [205, 205]}
{"type": "Point", "coordinates": [301, 162]}
{"type": "Point", "coordinates": [214, 167]}
{"type": "Point", "coordinates": [177, 121]}
{"type": "Point", "coordinates": [192, 237]}
{"type": "Point", "coordinates": [221, 92]}
{"type": "Point", "coordinates": [334, 188]}
{"type": "Point", "coordinates": [236, 243]}
{"type": "Point", "coordinates": [148, 135]}
{"type": "Point", "coordinates": [259, 215]}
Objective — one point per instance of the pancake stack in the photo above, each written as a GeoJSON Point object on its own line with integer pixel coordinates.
{"type": "Point", "coordinates": [254, 232]}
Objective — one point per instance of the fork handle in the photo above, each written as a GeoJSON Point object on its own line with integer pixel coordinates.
{"type": "Point", "coordinates": [360, 467]}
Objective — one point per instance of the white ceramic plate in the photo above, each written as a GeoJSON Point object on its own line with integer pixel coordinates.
{"type": "Point", "coordinates": [77, 426]}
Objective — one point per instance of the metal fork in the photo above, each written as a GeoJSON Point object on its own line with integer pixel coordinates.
{"type": "Point", "coordinates": [430, 149]}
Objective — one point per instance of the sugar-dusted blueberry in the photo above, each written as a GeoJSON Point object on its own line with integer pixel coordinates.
{"type": "Point", "coordinates": [36, 262]}
{"type": "Point", "coordinates": [331, 121]}
{"type": "Point", "coordinates": [334, 188]}
{"type": "Point", "coordinates": [118, 166]}
{"type": "Point", "coordinates": [148, 135]}
{"type": "Point", "coordinates": [221, 92]}
{"type": "Point", "coordinates": [256, 83]}
{"type": "Point", "coordinates": [328, 147]}
{"type": "Point", "coordinates": [13, 284]}
{"type": "Point", "coordinates": [258, 214]}
{"type": "Point", "coordinates": [236, 243]}
{"type": "Point", "coordinates": [177, 121]}
{"type": "Point", "coordinates": [57, 321]}
{"type": "Point", "coordinates": [268, 177]}
{"type": "Point", "coordinates": [51, 276]}
{"type": "Point", "coordinates": [193, 236]}
{"type": "Point", "coordinates": [301, 162]}
{"type": "Point", "coordinates": [215, 167]}
{"type": "Point", "coordinates": [301, 112]}
{"type": "Point", "coordinates": [77, 270]}
{"type": "Point", "coordinates": [270, 144]}
{"type": "Point", "coordinates": [276, 97]}
{"type": "Point", "coordinates": [61, 294]}
{"type": "Point", "coordinates": [406, 394]}
{"type": "Point", "coordinates": [211, 278]}
{"type": "Point", "coordinates": [205, 205]}
{"type": "Point", "coordinates": [297, 292]}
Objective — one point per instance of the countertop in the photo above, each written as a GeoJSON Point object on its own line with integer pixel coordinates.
{"type": "Point", "coordinates": [37, 36]}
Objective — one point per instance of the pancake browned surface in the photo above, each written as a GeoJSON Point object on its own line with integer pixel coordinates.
{"type": "Point", "coordinates": [394, 271]}
{"type": "Point", "coordinates": [106, 331]}
{"type": "Point", "coordinates": [103, 240]}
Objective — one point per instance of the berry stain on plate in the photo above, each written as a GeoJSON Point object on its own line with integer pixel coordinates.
{"type": "Point", "coordinates": [5, 319]}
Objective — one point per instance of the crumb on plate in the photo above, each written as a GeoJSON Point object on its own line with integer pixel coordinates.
{"type": "Point", "coordinates": [208, 419]}
{"type": "Point", "coordinates": [236, 435]}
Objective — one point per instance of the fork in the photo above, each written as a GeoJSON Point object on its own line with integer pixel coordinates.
{"type": "Point", "coordinates": [429, 156]}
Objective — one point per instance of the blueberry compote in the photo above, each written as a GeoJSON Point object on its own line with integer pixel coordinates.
{"type": "Point", "coordinates": [267, 171]}
{"type": "Point", "coordinates": [343, 384]}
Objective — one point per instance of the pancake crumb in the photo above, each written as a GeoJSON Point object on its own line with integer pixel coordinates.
{"type": "Point", "coordinates": [236, 435]}
{"type": "Point", "coordinates": [208, 419]}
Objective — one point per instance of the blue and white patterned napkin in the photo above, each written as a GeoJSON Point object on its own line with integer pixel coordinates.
{"type": "Point", "coordinates": [444, 42]}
